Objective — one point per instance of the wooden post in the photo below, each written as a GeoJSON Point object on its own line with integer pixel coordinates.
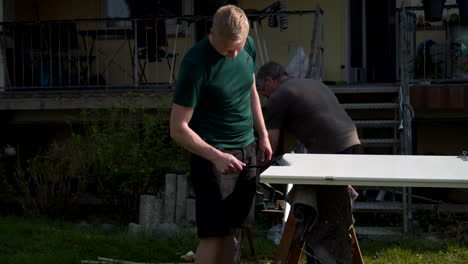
{"type": "Point", "coordinates": [146, 214]}
{"type": "Point", "coordinates": [290, 247]}
{"type": "Point", "coordinates": [170, 198]}
{"type": "Point", "coordinates": [190, 211]}
{"type": "Point", "coordinates": [181, 199]}
{"type": "Point", "coordinates": [357, 255]}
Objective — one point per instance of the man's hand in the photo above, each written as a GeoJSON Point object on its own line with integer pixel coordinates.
{"type": "Point", "coordinates": [264, 149]}
{"type": "Point", "coordinates": [227, 163]}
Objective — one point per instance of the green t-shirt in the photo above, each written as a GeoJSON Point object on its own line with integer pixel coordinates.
{"type": "Point", "coordinates": [218, 88]}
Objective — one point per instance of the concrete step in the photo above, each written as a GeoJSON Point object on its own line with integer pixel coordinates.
{"type": "Point", "coordinates": [377, 142]}
{"type": "Point", "coordinates": [374, 232]}
{"type": "Point", "coordinates": [364, 89]}
{"type": "Point", "coordinates": [396, 207]}
{"type": "Point", "coordinates": [372, 106]}
{"type": "Point", "coordinates": [378, 188]}
{"type": "Point", "coordinates": [377, 123]}
{"type": "Point", "coordinates": [442, 207]}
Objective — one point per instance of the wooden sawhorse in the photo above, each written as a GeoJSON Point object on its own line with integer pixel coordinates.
{"type": "Point", "coordinates": [290, 248]}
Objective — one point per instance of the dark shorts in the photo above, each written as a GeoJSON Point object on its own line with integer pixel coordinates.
{"type": "Point", "coordinates": [223, 201]}
{"type": "Point", "coordinates": [356, 149]}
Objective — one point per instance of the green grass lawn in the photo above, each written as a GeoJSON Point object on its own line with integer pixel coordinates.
{"type": "Point", "coordinates": [45, 242]}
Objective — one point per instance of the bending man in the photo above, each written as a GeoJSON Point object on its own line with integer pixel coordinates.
{"type": "Point", "coordinates": [310, 111]}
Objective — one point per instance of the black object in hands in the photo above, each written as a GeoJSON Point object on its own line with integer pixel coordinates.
{"type": "Point", "coordinates": [276, 161]}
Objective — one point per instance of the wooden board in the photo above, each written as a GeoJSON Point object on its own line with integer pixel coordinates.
{"type": "Point", "coordinates": [371, 170]}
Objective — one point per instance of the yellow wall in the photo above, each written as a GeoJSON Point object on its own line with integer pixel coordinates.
{"type": "Point", "coordinates": [120, 68]}
{"type": "Point", "coordinates": [335, 38]}
{"type": "Point", "coordinates": [282, 46]}
{"type": "Point", "coordinates": [27, 10]}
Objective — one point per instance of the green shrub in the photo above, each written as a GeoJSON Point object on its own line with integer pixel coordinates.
{"type": "Point", "coordinates": [120, 154]}
{"type": "Point", "coordinates": [132, 151]}
{"type": "Point", "coordinates": [7, 197]}
{"type": "Point", "coordinates": [44, 185]}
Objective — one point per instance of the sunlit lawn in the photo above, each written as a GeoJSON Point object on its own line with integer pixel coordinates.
{"type": "Point", "coordinates": [41, 242]}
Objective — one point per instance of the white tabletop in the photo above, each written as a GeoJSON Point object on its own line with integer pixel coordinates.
{"type": "Point", "coordinates": [370, 170]}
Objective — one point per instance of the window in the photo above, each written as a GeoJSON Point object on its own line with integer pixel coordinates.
{"type": "Point", "coordinates": [116, 9]}
{"type": "Point", "coordinates": [145, 8]}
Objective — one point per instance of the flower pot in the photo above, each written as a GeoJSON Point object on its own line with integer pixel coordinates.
{"type": "Point", "coordinates": [433, 10]}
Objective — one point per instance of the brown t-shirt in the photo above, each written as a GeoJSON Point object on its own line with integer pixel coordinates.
{"type": "Point", "coordinates": [310, 111]}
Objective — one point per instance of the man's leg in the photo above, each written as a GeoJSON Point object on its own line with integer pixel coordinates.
{"type": "Point", "coordinates": [229, 249]}
{"type": "Point", "coordinates": [222, 203]}
{"type": "Point", "coordinates": [215, 250]}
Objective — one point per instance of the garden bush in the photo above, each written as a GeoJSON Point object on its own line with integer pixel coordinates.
{"type": "Point", "coordinates": [116, 156]}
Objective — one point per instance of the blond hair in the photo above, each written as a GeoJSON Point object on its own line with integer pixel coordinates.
{"type": "Point", "coordinates": [230, 23]}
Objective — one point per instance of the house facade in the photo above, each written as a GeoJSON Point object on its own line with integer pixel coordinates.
{"type": "Point", "coordinates": [60, 57]}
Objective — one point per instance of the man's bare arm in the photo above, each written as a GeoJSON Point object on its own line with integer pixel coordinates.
{"type": "Point", "coordinates": [274, 135]}
{"type": "Point", "coordinates": [182, 134]}
{"type": "Point", "coordinates": [265, 151]}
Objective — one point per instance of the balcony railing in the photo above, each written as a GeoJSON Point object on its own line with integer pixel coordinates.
{"type": "Point", "coordinates": [91, 53]}
{"type": "Point", "coordinates": [128, 52]}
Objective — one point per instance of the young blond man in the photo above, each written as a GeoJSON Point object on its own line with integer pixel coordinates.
{"type": "Point", "coordinates": [215, 110]}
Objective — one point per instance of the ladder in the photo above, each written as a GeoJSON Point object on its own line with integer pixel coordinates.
{"type": "Point", "coordinates": [315, 67]}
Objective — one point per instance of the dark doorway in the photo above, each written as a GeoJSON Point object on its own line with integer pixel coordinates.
{"type": "Point", "coordinates": [356, 39]}
{"type": "Point", "coordinates": [381, 41]}
{"type": "Point", "coordinates": [373, 44]}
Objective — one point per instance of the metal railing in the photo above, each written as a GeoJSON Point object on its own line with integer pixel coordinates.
{"type": "Point", "coordinates": [91, 53]}
{"type": "Point", "coordinates": [107, 53]}
{"type": "Point", "coordinates": [432, 50]}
